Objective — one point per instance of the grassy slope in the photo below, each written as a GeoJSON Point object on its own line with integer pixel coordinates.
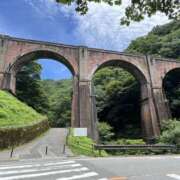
{"type": "Point", "coordinates": [14, 113]}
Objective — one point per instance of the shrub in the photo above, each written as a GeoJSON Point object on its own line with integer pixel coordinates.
{"type": "Point", "coordinates": [130, 142]}
{"type": "Point", "coordinates": [170, 132]}
{"type": "Point", "coordinates": [124, 141]}
{"type": "Point", "coordinates": [105, 132]}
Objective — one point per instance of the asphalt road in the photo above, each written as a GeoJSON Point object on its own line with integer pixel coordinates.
{"type": "Point", "coordinates": [131, 168]}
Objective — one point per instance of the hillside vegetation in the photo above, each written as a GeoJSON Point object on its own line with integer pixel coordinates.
{"type": "Point", "coordinates": [19, 123]}
{"type": "Point", "coordinates": [162, 41]}
{"type": "Point", "coordinates": [14, 113]}
{"type": "Point", "coordinates": [59, 94]}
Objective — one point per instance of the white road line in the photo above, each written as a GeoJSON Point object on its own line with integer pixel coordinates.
{"type": "Point", "coordinates": [37, 170]}
{"type": "Point", "coordinates": [103, 179]}
{"type": "Point", "coordinates": [178, 157]}
{"type": "Point", "coordinates": [36, 165]}
{"type": "Point", "coordinates": [44, 174]}
{"type": "Point", "coordinates": [86, 175]}
{"type": "Point", "coordinates": [175, 176]}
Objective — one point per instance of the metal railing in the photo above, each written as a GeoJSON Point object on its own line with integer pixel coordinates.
{"type": "Point", "coordinates": [172, 148]}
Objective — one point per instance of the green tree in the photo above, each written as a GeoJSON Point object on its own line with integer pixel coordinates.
{"type": "Point", "coordinates": [49, 97]}
{"type": "Point", "coordinates": [171, 85]}
{"type": "Point", "coordinates": [136, 10]}
{"type": "Point", "coordinates": [163, 41]}
{"type": "Point", "coordinates": [117, 97]}
{"type": "Point", "coordinates": [60, 96]}
{"type": "Point", "coordinates": [105, 132]}
{"type": "Point", "coordinates": [170, 132]}
{"type": "Point", "coordinates": [29, 88]}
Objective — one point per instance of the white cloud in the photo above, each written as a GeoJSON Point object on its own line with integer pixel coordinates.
{"type": "Point", "coordinates": [45, 8]}
{"type": "Point", "coordinates": [100, 27]}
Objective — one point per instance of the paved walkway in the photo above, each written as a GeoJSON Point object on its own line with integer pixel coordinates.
{"type": "Point", "coordinates": [52, 141]}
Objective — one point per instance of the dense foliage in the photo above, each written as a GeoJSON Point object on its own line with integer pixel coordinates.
{"type": "Point", "coordinates": [172, 89]}
{"type": "Point", "coordinates": [170, 132]}
{"type": "Point", "coordinates": [59, 94]}
{"type": "Point", "coordinates": [163, 41]}
{"type": "Point", "coordinates": [49, 97]}
{"type": "Point", "coordinates": [135, 10]}
{"type": "Point", "coordinates": [117, 97]}
{"type": "Point", "coordinates": [29, 88]}
{"type": "Point", "coordinates": [105, 132]}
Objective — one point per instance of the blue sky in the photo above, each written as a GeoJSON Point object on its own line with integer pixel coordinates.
{"type": "Point", "coordinates": [48, 21]}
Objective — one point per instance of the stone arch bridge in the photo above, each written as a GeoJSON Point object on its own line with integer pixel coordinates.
{"type": "Point", "coordinates": [83, 62]}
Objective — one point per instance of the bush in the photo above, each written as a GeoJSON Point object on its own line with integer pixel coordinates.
{"type": "Point", "coordinates": [105, 132]}
{"type": "Point", "coordinates": [170, 132]}
{"type": "Point", "coordinates": [130, 142]}
{"type": "Point", "coordinates": [124, 141]}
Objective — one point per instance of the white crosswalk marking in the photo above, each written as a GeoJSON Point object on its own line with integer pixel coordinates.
{"type": "Point", "coordinates": [174, 176]}
{"type": "Point", "coordinates": [35, 165]}
{"type": "Point", "coordinates": [44, 174]}
{"type": "Point", "coordinates": [36, 170]}
{"type": "Point", "coordinates": [63, 170]}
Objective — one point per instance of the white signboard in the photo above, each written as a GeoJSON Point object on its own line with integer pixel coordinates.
{"type": "Point", "coordinates": [80, 131]}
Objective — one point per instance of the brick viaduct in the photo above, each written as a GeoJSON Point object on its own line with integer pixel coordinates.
{"type": "Point", "coordinates": [83, 62]}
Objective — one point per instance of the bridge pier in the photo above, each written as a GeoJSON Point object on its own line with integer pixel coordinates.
{"type": "Point", "coordinates": [162, 105]}
{"type": "Point", "coordinates": [154, 109]}
{"type": "Point", "coordinates": [75, 103]}
{"type": "Point", "coordinates": [8, 82]}
{"type": "Point", "coordinates": [87, 109]}
{"type": "Point", "coordinates": [149, 118]}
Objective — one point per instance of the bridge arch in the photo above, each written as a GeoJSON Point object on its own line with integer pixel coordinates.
{"type": "Point", "coordinates": [133, 69]}
{"type": "Point", "coordinates": [24, 58]}
{"type": "Point", "coordinates": [171, 85]}
{"type": "Point", "coordinates": [171, 70]}
{"type": "Point", "coordinates": [145, 111]}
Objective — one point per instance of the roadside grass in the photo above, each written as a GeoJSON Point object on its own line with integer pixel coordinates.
{"type": "Point", "coordinates": [83, 146]}
{"type": "Point", "coordinates": [14, 113]}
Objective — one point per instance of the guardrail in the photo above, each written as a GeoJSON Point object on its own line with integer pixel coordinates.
{"type": "Point", "coordinates": [172, 148]}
